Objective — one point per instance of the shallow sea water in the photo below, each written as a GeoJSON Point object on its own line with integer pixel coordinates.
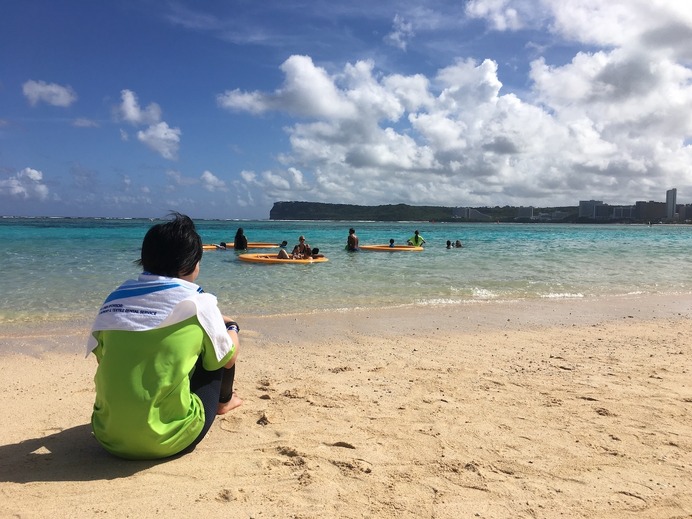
{"type": "Point", "coordinates": [61, 269]}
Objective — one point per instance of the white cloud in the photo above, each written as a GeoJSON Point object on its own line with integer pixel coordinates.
{"type": "Point", "coordinates": [660, 24]}
{"type": "Point", "coordinates": [656, 25]}
{"type": "Point", "coordinates": [500, 14]}
{"type": "Point", "coordinates": [127, 201]}
{"type": "Point", "coordinates": [49, 93]}
{"type": "Point", "coordinates": [162, 139]}
{"type": "Point", "coordinates": [612, 123]}
{"type": "Point", "coordinates": [252, 102]}
{"type": "Point", "coordinates": [466, 83]}
{"type": "Point", "coordinates": [248, 176]}
{"type": "Point", "coordinates": [402, 33]}
{"type": "Point", "coordinates": [212, 183]}
{"type": "Point", "coordinates": [83, 122]}
{"type": "Point", "coordinates": [27, 184]}
{"type": "Point", "coordinates": [158, 135]}
{"type": "Point", "coordinates": [307, 91]}
{"type": "Point", "coordinates": [411, 91]}
{"type": "Point", "coordinates": [177, 179]}
{"type": "Point", "coordinates": [592, 128]}
{"type": "Point", "coordinates": [185, 17]}
{"type": "Point", "coordinates": [634, 101]}
{"type": "Point", "coordinates": [131, 112]}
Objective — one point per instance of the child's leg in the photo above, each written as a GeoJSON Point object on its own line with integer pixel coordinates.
{"type": "Point", "coordinates": [207, 386]}
{"type": "Point", "coordinates": [227, 384]}
{"type": "Point", "coordinates": [228, 399]}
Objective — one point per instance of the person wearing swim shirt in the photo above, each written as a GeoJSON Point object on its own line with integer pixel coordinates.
{"type": "Point", "coordinates": [166, 354]}
{"type": "Point", "coordinates": [416, 240]}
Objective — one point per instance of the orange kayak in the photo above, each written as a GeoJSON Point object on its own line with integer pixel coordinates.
{"type": "Point", "coordinates": [250, 245]}
{"type": "Point", "coordinates": [271, 258]}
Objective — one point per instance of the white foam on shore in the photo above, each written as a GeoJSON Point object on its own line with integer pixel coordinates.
{"type": "Point", "coordinates": [562, 296]}
{"type": "Point", "coordinates": [480, 293]}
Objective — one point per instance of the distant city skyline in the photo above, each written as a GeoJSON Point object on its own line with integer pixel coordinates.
{"type": "Point", "coordinates": [640, 210]}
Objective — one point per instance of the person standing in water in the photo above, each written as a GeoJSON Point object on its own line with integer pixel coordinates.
{"type": "Point", "coordinates": [416, 240]}
{"type": "Point", "coordinates": [352, 241]}
{"type": "Point", "coordinates": [240, 241]}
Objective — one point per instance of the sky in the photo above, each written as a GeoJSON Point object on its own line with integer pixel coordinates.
{"type": "Point", "coordinates": [219, 109]}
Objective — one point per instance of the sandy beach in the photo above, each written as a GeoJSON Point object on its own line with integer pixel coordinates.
{"type": "Point", "coordinates": [577, 408]}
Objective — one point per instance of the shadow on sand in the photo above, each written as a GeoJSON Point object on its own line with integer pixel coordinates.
{"type": "Point", "coordinates": [69, 455]}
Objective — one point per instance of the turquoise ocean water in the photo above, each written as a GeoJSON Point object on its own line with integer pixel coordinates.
{"type": "Point", "coordinates": [62, 269]}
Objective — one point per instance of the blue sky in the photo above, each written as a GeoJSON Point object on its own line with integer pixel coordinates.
{"type": "Point", "coordinates": [218, 109]}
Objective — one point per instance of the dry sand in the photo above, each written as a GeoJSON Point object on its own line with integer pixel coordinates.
{"type": "Point", "coordinates": [541, 410]}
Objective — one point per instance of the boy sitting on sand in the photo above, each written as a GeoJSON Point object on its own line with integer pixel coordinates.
{"type": "Point", "coordinates": [166, 355]}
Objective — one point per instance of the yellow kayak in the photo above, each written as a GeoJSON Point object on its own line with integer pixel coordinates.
{"type": "Point", "coordinates": [395, 248]}
{"type": "Point", "coordinates": [271, 258]}
{"type": "Point", "coordinates": [250, 245]}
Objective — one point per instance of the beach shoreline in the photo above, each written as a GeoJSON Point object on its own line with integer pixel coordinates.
{"type": "Point", "coordinates": [578, 408]}
{"type": "Point", "coordinates": [69, 335]}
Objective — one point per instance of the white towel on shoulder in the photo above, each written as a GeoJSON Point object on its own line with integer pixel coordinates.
{"type": "Point", "coordinates": [157, 301]}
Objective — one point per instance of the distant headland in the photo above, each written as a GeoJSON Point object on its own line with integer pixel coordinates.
{"type": "Point", "coordinates": [404, 212]}
{"type": "Point", "coordinates": [589, 211]}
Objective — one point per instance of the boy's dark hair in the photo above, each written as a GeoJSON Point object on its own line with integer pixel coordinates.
{"type": "Point", "coordinates": [173, 248]}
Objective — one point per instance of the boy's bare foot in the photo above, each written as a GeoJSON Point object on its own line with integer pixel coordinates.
{"type": "Point", "coordinates": [234, 402]}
